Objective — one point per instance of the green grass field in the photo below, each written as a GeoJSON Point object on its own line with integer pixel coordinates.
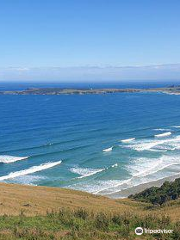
{"type": "Point", "coordinates": [83, 225]}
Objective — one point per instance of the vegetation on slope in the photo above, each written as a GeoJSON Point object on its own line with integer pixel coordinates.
{"type": "Point", "coordinates": [83, 225]}
{"type": "Point", "coordinates": [160, 195]}
{"type": "Point", "coordinates": [43, 213]}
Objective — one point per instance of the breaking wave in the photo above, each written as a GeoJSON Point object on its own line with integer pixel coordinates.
{"type": "Point", "coordinates": [10, 159]}
{"type": "Point", "coordinates": [161, 129]}
{"type": "Point", "coordinates": [114, 165]}
{"type": "Point", "coordinates": [163, 145]}
{"type": "Point", "coordinates": [127, 140]}
{"type": "Point", "coordinates": [142, 170]}
{"type": "Point", "coordinates": [108, 149]}
{"type": "Point", "coordinates": [163, 134]}
{"type": "Point", "coordinates": [30, 170]}
{"type": "Point", "coordinates": [85, 172]}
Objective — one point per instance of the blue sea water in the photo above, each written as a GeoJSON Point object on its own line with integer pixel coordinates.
{"type": "Point", "coordinates": [59, 140]}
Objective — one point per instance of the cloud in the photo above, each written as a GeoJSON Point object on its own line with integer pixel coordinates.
{"type": "Point", "coordinates": [92, 73]}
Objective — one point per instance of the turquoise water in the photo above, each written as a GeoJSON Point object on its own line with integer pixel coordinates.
{"type": "Point", "coordinates": [59, 140]}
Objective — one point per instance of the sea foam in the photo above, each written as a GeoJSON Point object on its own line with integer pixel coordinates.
{"type": "Point", "coordinates": [142, 170]}
{"type": "Point", "coordinates": [161, 129]}
{"type": "Point", "coordinates": [10, 159]}
{"type": "Point", "coordinates": [163, 134]}
{"type": "Point", "coordinates": [163, 144]}
{"type": "Point", "coordinates": [114, 165]}
{"type": "Point", "coordinates": [108, 149]}
{"type": "Point", "coordinates": [30, 170]}
{"type": "Point", "coordinates": [127, 140]}
{"type": "Point", "coordinates": [28, 179]}
{"type": "Point", "coordinates": [85, 172]}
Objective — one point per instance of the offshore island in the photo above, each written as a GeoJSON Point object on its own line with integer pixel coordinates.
{"type": "Point", "coordinates": [60, 91]}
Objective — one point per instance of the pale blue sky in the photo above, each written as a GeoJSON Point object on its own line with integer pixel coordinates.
{"type": "Point", "coordinates": [37, 36]}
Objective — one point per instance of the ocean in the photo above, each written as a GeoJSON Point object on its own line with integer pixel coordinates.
{"type": "Point", "coordinates": [101, 144]}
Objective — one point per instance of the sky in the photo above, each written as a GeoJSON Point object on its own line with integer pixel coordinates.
{"type": "Point", "coordinates": [89, 40]}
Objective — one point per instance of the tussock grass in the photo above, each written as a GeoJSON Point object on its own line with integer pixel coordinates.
{"type": "Point", "coordinates": [80, 224]}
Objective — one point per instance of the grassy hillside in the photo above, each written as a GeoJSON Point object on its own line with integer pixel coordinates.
{"type": "Point", "coordinates": [32, 213]}
{"type": "Point", "coordinates": [37, 200]}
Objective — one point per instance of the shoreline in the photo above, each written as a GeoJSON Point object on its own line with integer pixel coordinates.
{"type": "Point", "coordinates": [38, 200]}
{"type": "Point", "coordinates": [141, 187]}
{"type": "Point", "coordinates": [122, 194]}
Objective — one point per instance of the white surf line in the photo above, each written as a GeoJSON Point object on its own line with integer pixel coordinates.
{"type": "Point", "coordinates": [141, 146]}
{"type": "Point", "coordinates": [108, 149]}
{"type": "Point", "coordinates": [162, 129]}
{"type": "Point", "coordinates": [150, 171]}
{"type": "Point", "coordinates": [146, 181]}
{"type": "Point", "coordinates": [158, 150]}
{"type": "Point", "coordinates": [127, 140]}
{"type": "Point", "coordinates": [91, 173]}
{"type": "Point", "coordinates": [163, 134]}
{"type": "Point", "coordinates": [85, 172]}
{"type": "Point", "coordinates": [10, 159]}
{"type": "Point", "coordinates": [30, 170]}
{"type": "Point", "coordinates": [121, 182]}
{"type": "Point", "coordinates": [114, 165]}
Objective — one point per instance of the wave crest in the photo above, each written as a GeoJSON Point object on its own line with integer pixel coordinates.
{"type": "Point", "coordinates": [10, 159]}
{"type": "Point", "coordinates": [163, 145]}
{"type": "Point", "coordinates": [163, 134]}
{"type": "Point", "coordinates": [161, 129]}
{"type": "Point", "coordinates": [108, 149]}
{"type": "Point", "coordinates": [127, 140]}
{"type": "Point", "coordinates": [30, 170]}
{"type": "Point", "coordinates": [85, 172]}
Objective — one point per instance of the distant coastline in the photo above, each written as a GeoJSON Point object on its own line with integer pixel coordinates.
{"type": "Point", "coordinates": [64, 91]}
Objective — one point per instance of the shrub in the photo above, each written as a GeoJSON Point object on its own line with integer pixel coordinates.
{"type": "Point", "coordinates": [158, 196]}
{"type": "Point", "coordinates": [81, 213]}
{"type": "Point", "coordinates": [101, 221]}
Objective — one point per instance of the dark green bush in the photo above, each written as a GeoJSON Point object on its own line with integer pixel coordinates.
{"type": "Point", "coordinates": [158, 196]}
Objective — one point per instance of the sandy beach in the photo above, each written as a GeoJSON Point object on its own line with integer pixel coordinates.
{"type": "Point", "coordinates": [136, 189]}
